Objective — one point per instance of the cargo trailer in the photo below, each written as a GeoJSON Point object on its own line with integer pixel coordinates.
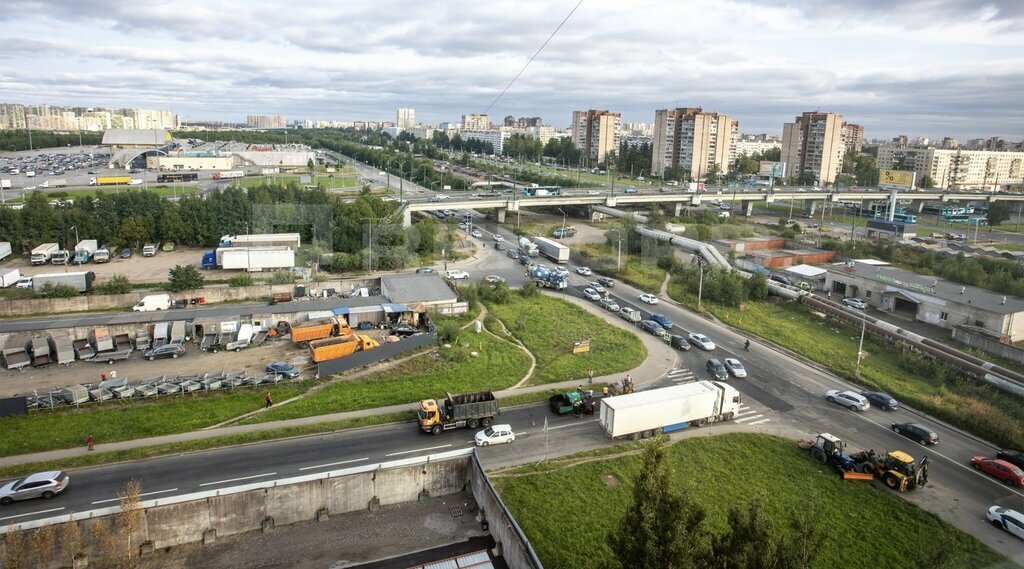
{"type": "Point", "coordinates": [61, 348]}
{"type": "Point", "coordinates": [80, 280]}
{"type": "Point", "coordinates": [648, 413]}
{"type": "Point", "coordinates": [16, 351]}
{"type": "Point", "coordinates": [9, 277]}
{"type": "Point", "coordinates": [41, 352]}
{"type": "Point", "coordinates": [552, 249]}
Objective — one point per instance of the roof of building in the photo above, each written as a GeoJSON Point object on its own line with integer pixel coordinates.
{"type": "Point", "coordinates": [806, 271]}
{"type": "Point", "coordinates": [416, 287]}
{"type": "Point", "coordinates": [146, 137]}
{"type": "Point", "coordinates": [980, 298]}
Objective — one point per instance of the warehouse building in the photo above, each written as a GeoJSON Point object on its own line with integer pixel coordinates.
{"type": "Point", "coordinates": [427, 291]}
{"type": "Point", "coordinates": [927, 299]}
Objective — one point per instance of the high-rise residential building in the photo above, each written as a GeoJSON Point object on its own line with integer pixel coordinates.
{"type": "Point", "coordinates": [751, 144]}
{"type": "Point", "coordinates": [693, 140]}
{"type": "Point", "coordinates": [950, 143]}
{"type": "Point", "coordinates": [405, 118]}
{"type": "Point", "coordinates": [954, 168]}
{"type": "Point", "coordinates": [476, 122]}
{"type": "Point", "coordinates": [510, 120]}
{"type": "Point", "coordinates": [265, 121]}
{"type": "Point", "coordinates": [596, 133]}
{"type": "Point", "coordinates": [853, 137]}
{"type": "Point", "coordinates": [496, 137]}
{"type": "Point", "coordinates": [813, 146]}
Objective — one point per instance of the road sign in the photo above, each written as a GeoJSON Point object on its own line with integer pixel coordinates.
{"type": "Point", "coordinates": [772, 169]}
{"type": "Point", "coordinates": [895, 178]}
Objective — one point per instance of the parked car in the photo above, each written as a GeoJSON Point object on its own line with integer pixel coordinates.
{"type": "Point", "coordinates": [43, 485]}
{"type": "Point", "coordinates": [1013, 457]}
{"type": "Point", "coordinates": [585, 271]}
{"type": "Point", "coordinates": [1007, 519]}
{"type": "Point", "coordinates": [855, 303]}
{"type": "Point", "coordinates": [24, 282]}
{"type": "Point", "coordinates": [172, 351]}
{"type": "Point", "coordinates": [916, 432]}
{"type": "Point", "coordinates": [426, 271]}
{"type": "Point", "coordinates": [679, 342]}
{"type": "Point", "coordinates": [591, 294]}
{"type": "Point", "coordinates": [126, 252]}
{"type": "Point", "coordinates": [606, 282]}
{"type": "Point", "coordinates": [855, 401]}
{"type": "Point", "coordinates": [494, 279]}
{"type": "Point", "coordinates": [648, 298]}
{"type": "Point", "coordinates": [403, 330]}
{"type": "Point", "coordinates": [476, 233]}
{"type": "Point", "coordinates": [597, 286]}
{"type": "Point", "coordinates": [701, 341]}
{"type": "Point", "coordinates": [609, 304]}
{"type": "Point", "coordinates": [735, 368]}
{"type": "Point", "coordinates": [652, 327]}
{"type": "Point", "coordinates": [662, 321]}
{"type": "Point", "coordinates": [882, 400]}
{"type": "Point", "coordinates": [283, 368]}
{"type": "Point", "coordinates": [630, 314]}
{"type": "Point", "coordinates": [457, 274]}
{"type": "Point", "coordinates": [495, 434]}
{"type": "Point", "coordinates": [1008, 473]}
{"type": "Point", "coordinates": [499, 246]}
{"type": "Point", "coordinates": [716, 369]}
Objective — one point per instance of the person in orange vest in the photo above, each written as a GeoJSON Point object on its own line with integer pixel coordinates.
{"type": "Point", "coordinates": [88, 442]}
{"type": "Point", "coordinates": [269, 401]}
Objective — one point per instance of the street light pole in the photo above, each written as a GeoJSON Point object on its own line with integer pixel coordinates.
{"type": "Point", "coordinates": [700, 284]}
{"type": "Point", "coordinates": [563, 222]}
{"type": "Point", "coordinates": [618, 258]}
{"type": "Point", "coordinates": [860, 348]}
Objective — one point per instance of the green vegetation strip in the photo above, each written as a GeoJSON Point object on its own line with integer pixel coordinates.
{"type": "Point", "coordinates": [549, 326]}
{"type": "Point", "coordinates": [639, 272]}
{"type": "Point", "coordinates": [567, 507]}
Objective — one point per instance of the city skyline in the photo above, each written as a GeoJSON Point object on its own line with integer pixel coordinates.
{"type": "Point", "coordinates": [749, 59]}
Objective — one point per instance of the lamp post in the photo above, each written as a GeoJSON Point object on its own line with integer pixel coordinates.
{"type": "Point", "coordinates": [75, 228]}
{"type": "Point", "coordinates": [618, 258]}
{"type": "Point", "coordinates": [563, 221]}
{"type": "Point", "coordinates": [860, 348]}
{"type": "Point", "coordinates": [700, 284]}
{"type": "Point", "coordinates": [369, 241]}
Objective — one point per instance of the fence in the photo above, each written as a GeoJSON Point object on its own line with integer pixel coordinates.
{"type": "Point", "coordinates": [988, 344]}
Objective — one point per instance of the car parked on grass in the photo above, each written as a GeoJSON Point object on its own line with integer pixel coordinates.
{"type": "Point", "coordinates": [172, 351]}
{"type": "Point", "coordinates": [916, 432]}
{"type": "Point", "coordinates": [495, 434]}
{"type": "Point", "coordinates": [679, 342]}
{"type": "Point", "coordinates": [854, 401]}
{"type": "Point", "coordinates": [735, 368]}
{"type": "Point", "coordinates": [457, 274]}
{"type": "Point", "coordinates": [882, 400]}
{"type": "Point", "coordinates": [701, 341]}
{"type": "Point", "coordinates": [606, 282]}
{"type": "Point", "coordinates": [648, 298]}
{"type": "Point", "coordinates": [608, 303]}
{"type": "Point", "coordinates": [855, 303]}
{"type": "Point", "coordinates": [43, 485]}
{"type": "Point", "coordinates": [716, 369]}
{"type": "Point", "coordinates": [283, 368]}
{"type": "Point", "coordinates": [652, 327]}
{"type": "Point", "coordinates": [1008, 473]}
{"type": "Point", "coordinates": [662, 321]}
{"type": "Point", "coordinates": [1007, 519]}
{"type": "Point", "coordinates": [585, 271]}
{"type": "Point", "coordinates": [1013, 457]}
{"type": "Point", "coordinates": [591, 294]}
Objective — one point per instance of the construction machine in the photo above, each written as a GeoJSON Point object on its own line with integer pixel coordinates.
{"type": "Point", "coordinates": [896, 469]}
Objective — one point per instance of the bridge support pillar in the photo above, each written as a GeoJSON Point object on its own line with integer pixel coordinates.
{"type": "Point", "coordinates": [407, 218]}
{"type": "Point", "coordinates": [677, 209]}
{"type": "Point", "coordinates": [918, 205]}
{"type": "Point", "coordinates": [809, 206]}
{"type": "Point", "coordinates": [748, 208]}
{"type": "Point", "coordinates": [501, 214]}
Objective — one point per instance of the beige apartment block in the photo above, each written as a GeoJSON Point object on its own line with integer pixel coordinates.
{"type": "Point", "coordinates": [694, 140]}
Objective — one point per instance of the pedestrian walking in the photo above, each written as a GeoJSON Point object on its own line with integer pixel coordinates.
{"type": "Point", "coordinates": [103, 376]}
{"type": "Point", "coordinates": [269, 401]}
{"type": "Point", "coordinates": [590, 377]}
{"type": "Point", "coordinates": [88, 442]}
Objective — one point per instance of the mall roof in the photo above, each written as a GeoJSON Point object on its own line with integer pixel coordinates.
{"type": "Point", "coordinates": [136, 137]}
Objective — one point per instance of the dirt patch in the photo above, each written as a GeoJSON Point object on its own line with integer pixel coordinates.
{"type": "Point", "coordinates": [611, 481]}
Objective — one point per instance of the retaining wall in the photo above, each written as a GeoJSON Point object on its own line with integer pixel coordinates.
{"type": "Point", "coordinates": [988, 344]}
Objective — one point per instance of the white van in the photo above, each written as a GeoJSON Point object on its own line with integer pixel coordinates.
{"type": "Point", "coordinates": [152, 302]}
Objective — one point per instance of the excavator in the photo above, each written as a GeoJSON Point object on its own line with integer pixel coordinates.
{"type": "Point", "coordinates": [896, 469]}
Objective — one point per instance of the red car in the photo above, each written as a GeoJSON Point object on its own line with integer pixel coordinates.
{"type": "Point", "coordinates": [1008, 473]}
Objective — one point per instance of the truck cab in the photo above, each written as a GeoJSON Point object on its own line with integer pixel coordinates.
{"type": "Point", "coordinates": [149, 250]}
{"type": "Point", "coordinates": [60, 257]}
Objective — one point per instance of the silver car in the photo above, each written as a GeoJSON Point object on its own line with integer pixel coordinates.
{"type": "Point", "coordinates": [43, 485]}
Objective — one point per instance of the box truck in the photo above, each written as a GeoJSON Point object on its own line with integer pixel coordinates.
{"type": "Point", "coordinates": [647, 413]}
{"type": "Point", "coordinates": [228, 175]}
{"type": "Point", "coordinates": [5, 249]}
{"type": "Point", "coordinates": [110, 181]}
{"type": "Point", "coordinates": [85, 250]}
{"type": "Point", "coordinates": [149, 249]}
{"type": "Point", "coordinates": [552, 249]}
{"type": "Point", "coordinates": [41, 254]}
{"type": "Point", "coordinates": [80, 281]}
{"type": "Point", "coordinates": [102, 255]}
{"type": "Point", "coordinates": [9, 277]}
{"type": "Point", "coordinates": [153, 302]}
{"type": "Point", "coordinates": [249, 259]}
{"type": "Point", "coordinates": [60, 257]}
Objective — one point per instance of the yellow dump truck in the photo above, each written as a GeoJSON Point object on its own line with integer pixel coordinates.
{"type": "Point", "coordinates": [319, 329]}
{"type": "Point", "coordinates": [340, 346]}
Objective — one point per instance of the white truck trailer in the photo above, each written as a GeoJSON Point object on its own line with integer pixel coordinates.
{"type": "Point", "coordinates": [9, 277]}
{"type": "Point", "coordinates": [41, 254]}
{"type": "Point", "coordinates": [5, 249]}
{"type": "Point", "coordinates": [291, 240]}
{"type": "Point", "coordinates": [80, 281]}
{"type": "Point", "coordinates": [85, 249]}
{"type": "Point", "coordinates": [647, 413]}
{"type": "Point", "coordinates": [552, 249]}
{"type": "Point", "coordinates": [256, 259]}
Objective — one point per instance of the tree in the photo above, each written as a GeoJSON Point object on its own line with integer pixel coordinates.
{"type": "Point", "coordinates": [117, 284]}
{"type": "Point", "coordinates": [134, 231]}
{"type": "Point", "coordinates": [998, 212]}
{"type": "Point", "coordinates": [927, 182]}
{"type": "Point", "coordinates": [661, 527]}
{"type": "Point", "coordinates": [309, 164]}
{"type": "Point", "coordinates": [185, 277]}
{"type": "Point", "coordinates": [59, 290]}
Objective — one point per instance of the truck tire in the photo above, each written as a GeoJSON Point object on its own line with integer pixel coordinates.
{"type": "Point", "coordinates": [728, 416]}
{"type": "Point", "coordinates": [701, 422]}
{"type": "Point", "coordinates": [633, 436]}
{"type": "Point", "coordinates": [645, 434]}
{"type": "Point", "coordinates": [238, 350]}
{"type": "Point", "coordinates": [818, 455]}
{"type": "Point", "coordinates": [436, 430]}
{"type": "Point", "coordinates": [486, 421]}
{"type": "Point", "coordinates": [111, 362]}
{"type": "Point", "coordinates": [472, 423]}
{"type": "Point", "coordinates": [891, 481]}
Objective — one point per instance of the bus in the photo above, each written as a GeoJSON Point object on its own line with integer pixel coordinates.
{"type": "Point", "coordinates": [881, 213]}
{"type": "Point", "coordinates": [540, 191]}
{"type": "Point", "coordinates": [177, 177]}
{"type": "Point", "coordinates": [964, 218]}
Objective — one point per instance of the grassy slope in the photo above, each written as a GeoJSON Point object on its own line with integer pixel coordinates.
{"type": "Point", "coordinates": [717, 471]}
{"type": "Point", "coordinates": [550, 326]}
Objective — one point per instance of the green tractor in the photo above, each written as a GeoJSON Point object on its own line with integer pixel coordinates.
{"type": "Point", "coordinates": [571, 402]}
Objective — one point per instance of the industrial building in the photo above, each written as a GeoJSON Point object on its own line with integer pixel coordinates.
{"type": "Point", "coordinates": [415, 289]}
{"type": "Point", "coordinates": [927, 299]}
{"type": "Point", "coordinates": [126, 145]}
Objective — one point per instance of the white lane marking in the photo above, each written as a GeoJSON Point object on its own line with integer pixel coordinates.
{"type": "Point", "coordinates": [32, 514]}
{"type": "Point", "coordinates": [418, 450]}
{"type": "Point", "coordinates": [758, 422]}
{"type": "Point", "coordinates": [238, 479]}
{"type": "Point", "coordinates": [741, 419]}
{"type": "Point", "coordinates": [146, 494]}
{"type": "Point", "coordinates": [334, 463]}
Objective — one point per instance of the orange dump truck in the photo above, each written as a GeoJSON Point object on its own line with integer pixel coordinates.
{"type": "Point", "coordinates": [340, 346]}
{"type": "Point", "coordinates": [319, 329]}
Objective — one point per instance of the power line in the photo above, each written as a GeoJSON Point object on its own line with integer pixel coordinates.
{"type": "Point", "coordinates": [541, 48]}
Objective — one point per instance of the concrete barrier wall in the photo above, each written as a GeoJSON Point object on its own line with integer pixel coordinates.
{"type": "Point", "coordinates": [512, 543]}
{"type": "Point", "coordinates": [988, 344]}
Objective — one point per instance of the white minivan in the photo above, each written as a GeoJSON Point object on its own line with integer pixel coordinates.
{"type": "Point", "coordinates": [152, 302]}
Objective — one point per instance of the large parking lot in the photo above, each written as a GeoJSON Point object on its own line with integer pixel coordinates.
{"type": "Point", "coordinates": [138, 269]}
{"type": "Point", "coordinates": [31, 168]}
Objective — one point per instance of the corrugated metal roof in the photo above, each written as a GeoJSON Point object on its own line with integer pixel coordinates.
{"type": "Point", "coordinates": [391, 308]}
{"type": "Point", "coordinates": [806, 271]}
{"type": "Point", "coordinates": [415, 287]}
{"type": "Point", "coordinates": [122, 136]}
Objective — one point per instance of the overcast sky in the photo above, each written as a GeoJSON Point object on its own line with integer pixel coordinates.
{"type": "Point", "coordinates": [924, 67]}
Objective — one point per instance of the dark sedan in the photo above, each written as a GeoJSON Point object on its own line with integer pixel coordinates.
{"type": "Point", "coordinates": [652, 327]}
{"type": "Point", "coordinates": [679, 342]}
{"type": "Point", "coordinates": [916, 432]}
{"type": "Point", "coordinates": [172, 351]}
{"type": "Point", "coordinates": [404, 330]}
{"type": "Point", "coordinates": [1015, 458]}
{"type": "Point", "coordinates": [662, 321]}
{"type": "Point", "coordinates": [881, 400]}
{"type": "Point", "coordinates": [283, 368]}
{"type": "Point", "coordinates": [126, 252]}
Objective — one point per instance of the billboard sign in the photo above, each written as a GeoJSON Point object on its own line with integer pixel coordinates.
{"type": "Point", "coordinates": [899, 178]}
{"type": "Point", "coordinates": [772, 169]}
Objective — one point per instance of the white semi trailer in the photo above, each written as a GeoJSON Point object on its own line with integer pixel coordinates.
{"type": "Point", "coordinates": [647, 413]}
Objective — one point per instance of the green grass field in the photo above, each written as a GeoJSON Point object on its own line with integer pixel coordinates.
{"type": "Point", "coordinates": [639, 272]}
{"type": "Point", "coordinates": [162, 191]}
{"type": "Point", "coordinates": [549, 326]}
{"type": "Point", "coordinates": [338, 181]}
{"type": "Point", "coordinates": [567, 511]}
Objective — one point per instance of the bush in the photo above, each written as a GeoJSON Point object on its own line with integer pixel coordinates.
{"type": "Point", "coordinates": [185, 277]}
{"type": "Point", "coordinates": [447, 332]}
{"type": "Point", "coordinates": [118, 284]}
{"type": "Point", "coordinates": [59, 290]}
{"type": "Point", "coordinates": [281, 277]}
{"type": "Point", "coordinates": [529, 290]}
{"type": "Point", "coordinates": [244, 279]}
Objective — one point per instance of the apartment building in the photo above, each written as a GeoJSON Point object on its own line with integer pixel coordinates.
{"type": "Point", "coordinates": [955, 169]}
{"type": "Point", "coordinates": [853, 137]}
{"type": "Point", "coordinates": [694, 140]}
{"type": "Point", "coordinates": [265, 121]}
{"type": "Point", "coordinates": [476, 122]}
{"type": "Point", "coordinates": [496, 137]}
{"type": "Point", "coordinates": [596, 133]}
{"type": "Point", "coordinates": [753, 144]}
{"type": "Point", "coordinates": [812, 145]}
{"type": "Point", "coordinates": [405, 118]}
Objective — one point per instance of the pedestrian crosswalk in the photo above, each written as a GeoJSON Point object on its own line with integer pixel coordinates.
{"type": "Point", "coordinates": [682, 375]}
{"type": "Point", "coordinates": [749, 416]}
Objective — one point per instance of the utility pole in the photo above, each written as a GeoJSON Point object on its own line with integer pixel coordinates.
{"type": "Point", "coordinates": [860, 348]}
